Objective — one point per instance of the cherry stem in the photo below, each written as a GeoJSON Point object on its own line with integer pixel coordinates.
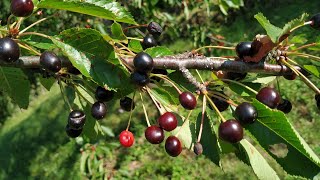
{"type": "Point", "coordinates": [35, 23]}
{"type": "Point", "coordinates": [64, 97]}
{"type": "Point", "coordinates": [161, 110]}
{"type": "Point", "coordinates": [25, 46]}
{"type": "Point", "coordinates": [240, 84]}
{"type": "Point", "coordinates": [168, 80]}
{"type": "Point", "coordinates": [130, 117]}
{"type": "Point", "coordinates": [216, 47]}
{"type": "Point", "coordinates": [19, 23]}
{"type": "Point", "coordinates": [184, 122]}
{"type": "Point", "coordinates": [215, 108]}
{"type": "Point", "coordinates": [304, 46]}
{"type": "Point", "coordinates": [204, 105]}
{"type": "Point", "coordinates": [200, 76]}
{"type": "Point", "coordinates": [34, 33]}
{"type": "Point", "coordinates": [8, 21]}
{"type": "Point", "coordinates": [294, 28]}
{"type": "Point", "coordinates": [132, 38]}
{"type": "Point", "coordinates": [223, 99]}
{"type": "Point", "coordinates": [303, 78]}
{"type": "Point", "coordinates": [304, 55]}
{"type": "Point", "coordinates": [144, 110]}
{"type": "Point", "coordinates": [135, 26]}
{"type": "Point", "coordinates": [132, 53]}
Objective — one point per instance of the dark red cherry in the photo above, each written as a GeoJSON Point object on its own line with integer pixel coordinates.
{"type": "Point", "coordinates": [187, 100]}
{"type": "Point", "coordinates": [9, 50]}
{"type": "Point", "coordinates": [76, 119]}
{"type": "Point", "coordinates": [173, 146]}
{"type": "Point", "coordinates": [315, 21]}
{"type": "Point", "coordinates": [244, 49]}
{"type": "Point", "coordinates": [143, 62]}
{"type": "Point", "coordinates": [126, 138]}
{"type": "Point", "coordinates": [126, 103]}
{"type": "Point", "coordinates": [198, 149]}
{"type": "Point", "coordinates": [231, 131]}
{"type": "Point", "coordinates": [73, 133]}
{"type": "Point", "coordinates": [154, 134]}
{"type": "Point", "coordinates": [103, 95]}
{"type": "Point", "coordinates": [140, 79]}
{"type": "Point", "coordinates": [246, 113]}
{"type": "Point", "coordinates": [269, 97]}
{"type": "Point", "coordinates": [148, 42]}
{"type": "Point", "coordinates": [21, 8]}
{"type": "Point", "coordinates": [291, 76]}
{"type": "Point", "coordinates": [154, 29]}
{"type": "Point", "coordinates": [168, 121]}
{"type": "Point", "coordinates": [98, 110]}
{"type": "Point", "coordinates": [50, 61]}
{"type": "Point", "coordinates": [285, 106]}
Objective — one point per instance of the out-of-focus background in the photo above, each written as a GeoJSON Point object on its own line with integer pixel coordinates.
{"type": "Point", "coordinates": [33, 143]}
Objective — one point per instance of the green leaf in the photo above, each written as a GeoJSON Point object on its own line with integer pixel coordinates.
{"type": "Point", "coordinates": [92, 128]}
{"type": "Point", "coordinates": [166, 95]}
{"type": "Point", "coordinates": [47, 82]}
{"type": "Point", "coordinates": [158, 51]}
{"type": "Point", "coordinates": [259, 165]}
{"type": "Point", "coordinates": [260, 79]}
{"type": "Point", "coordinates": [242, 91]}
{"type": "Point", "coordinates": [293, 23]}
{"type": "Point", "coordinates": [106, 9]}
{"type": "Point", "coordinates": [135, 46]}
{"type": "Point", "coordinates": [272, 31]}
{"type": "Point", "coordinates": [184, 135]}
{"type": "Point", "coordinates": [117, 33]}
{"type": "Point", "coordinates": [16, 84]}
{"type": "Point", "coordinates": [84, 94]}
{"type": "Point", "coordinates": [273, 128]}
{"type": "Point", "coordinates": [313, 70]}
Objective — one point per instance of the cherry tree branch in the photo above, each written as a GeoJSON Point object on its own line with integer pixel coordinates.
{"type": "Point", "coordinates": [180, 62]}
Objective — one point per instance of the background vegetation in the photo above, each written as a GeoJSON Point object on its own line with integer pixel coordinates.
{"type": "Point", "coordinates": [33, 142]}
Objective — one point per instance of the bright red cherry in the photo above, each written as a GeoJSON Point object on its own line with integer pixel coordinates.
{"type": "Point", "coordinates": [126, 138]}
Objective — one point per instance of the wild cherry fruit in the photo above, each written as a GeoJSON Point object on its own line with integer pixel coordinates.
{"type": "Point", "coordinates": [50, 61]}
{"type": "Point", "coordinates": [269, 97]}
{"type": "Point", "coordinates": [148, 42]}
{"type": "Point", "coordinates": [103, 95]}
{"type": "Point", "coordinates": [168, 121]}
{"type": "Point", "coordinates": [221, 105]}
{"type": "Point", "coordinates": [285, 106]}
{"type": "Point", "coordinates": [173, 146]}
{"type": "Point", "coordinates": [126, 138]}
{"type": "Point", "coordinates": [315, 21]}
{"type": "Point", "coordinates": [9, 50]}
{"type": "Point", "coordinates": [140, 79]}
{"type": "Point", "coordinates": [197, 148]}
{"type": "Point", "coordinates": [98, 110]}
{"type": "Point", "coordinates": [154, 134]}
{"type": "Point", "coordinates": [73, 133]}
{"type": "Point", "coordinates": [187, 100]}
{"type": "Point", "coordinates": [231, 131]}
{"type": "Point", "coordinates": [291, 76]}
{"type": "Point", "coordinates": [246, 113]}
{"type": "Point", "coordinates": [244, 49]}
{"type": "Point", "coordinates": [76, 119]}
{"type": "Point", "coordinates": [21, 8]}
{"type": "Point", "coordinates": [126, 104]}
{"type": "Point", "coordinates": [143, 62]}
{"type": "Point", "coordinates": [154, 29]}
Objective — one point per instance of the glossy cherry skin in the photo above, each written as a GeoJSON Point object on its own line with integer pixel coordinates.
{"type": "Point", "coordinates": [50, 61]}
{"type": "Point", "coordinates": [143, 62]}
{"type": "Point", "coordinates": [168, 121]}
{"type": "Point", "coordinates": [154, 134]}
{"type": "Point", "coordinates": [148, 41]}
{"type": "Point", "coordinates": [126, 138]}
{"type": "Point", "coordinates": [9, 50]}
{"type": "Point", "coordinates": [269, 97]}
{"type": "Point", "coordinates": [103, 95]}
{"type": "Point", "coordinates": [285, 106]}
{"type": "Point", "coordinates": [154, 29]}
{"type": "Point", "coordinates": [21, 8]}
{"type": "Point", "coordinates": [73, 133]}
{"type": "Point", "coordinates": [246, 113]}
{"type": "Point", "coordinates": [187, 100]}
{"type": "Point", "coordinates": [173, 146]}
{"type": "Point", "coordinates": [126, 104]}
{"type": "Point", "coordinates": [231, 131]}
{"type": "Point", "coordinates": [244, 49]}
{"type": "Point", "coordinates": [76, 119]}
{"type": "Point", "coordinates": [140, 79]}
{"type": "Point", "coordinates": [98, 110]}
{"type": "Point", "coordinates": [197, 148]}
{"type": "Point", "coordinates": [315, 21]}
